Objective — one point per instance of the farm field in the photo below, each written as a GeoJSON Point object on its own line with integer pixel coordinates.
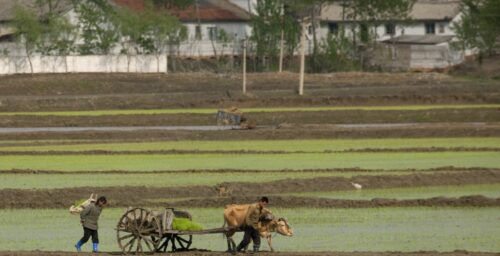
{"type": "Point", "coordinates": [488, 190]}
{"type": "Point", "coordinates": [49, 181]}
{"type": "Point", "coordinates": [377, 230]}
{"type": "Point", "coordinates": [248, 110]}
{"type": "Point", "coordinates": [313, 146]}
{"type": "Point", "coordinates": [295, 161]}
{"type": "Point", "coordinates": [424, 147]}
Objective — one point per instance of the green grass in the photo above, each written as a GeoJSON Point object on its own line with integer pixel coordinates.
{"type": "Point", "coordinates": [251, 161]}
{"type": "Point", "coordinates": [247, 110]}
{"type": "Point", "coordinates": [266, 145]}
{"type": "Point", "coordinates": [49, 181]}
{"type": "Point", "coordinates": [488, 190]}
{"type": "Point", "coordinates": [376, 229]}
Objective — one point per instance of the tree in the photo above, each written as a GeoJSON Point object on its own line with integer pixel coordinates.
{"type": "Point", "coordinates": [161, 32]}
{"type": "Point", "coordinates": [58, 36]}
{"type": "Point", "coordinates": [28, 30]}
{"type": "Point", "coordinates": [309, 10]}
{"type": "Point", "coordinates": [369, 13]}
{"type": "Point", "coordinates": [267, 27]}
{"type": "Point", "coordinates": [96, 26]}
{"type": "Point", "coordinates": [49, 7]}
{"type": "Point", "coordinates": [479, 27]}
{"type": "Point", "coordinates": [58, 33]}
{"type": "Point", "coordinates": [152, 30]}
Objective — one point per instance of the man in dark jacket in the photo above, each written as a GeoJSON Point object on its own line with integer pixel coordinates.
{"type": "Point", "coordinates": [89, 218]}
{"type": "Point", "coordinates": [254, 215]}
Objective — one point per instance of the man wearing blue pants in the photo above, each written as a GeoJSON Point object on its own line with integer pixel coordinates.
{"type": "Point", "coordinates": [89, 218]}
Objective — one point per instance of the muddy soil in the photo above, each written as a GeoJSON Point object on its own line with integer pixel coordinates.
{"type": "Point", "coordinates": [129, 91]}
{"type": "Point", "coordinates": [240, 152]}
{"type": "Point", "coordinates": [85, 84]}
{"type": "Point", "coordinates": [148, 196]}
{"type": "Point", "coordinates": [281, 132]}
{"type": "Point", "coordinates": [282, 171]}
{"type": "Point", "coordinates": [207, 253]}
{"type": "Point", "coordinates": [488, 68]}
{"type": "Point", "coordinates": [313, 202]}
{"type": "Point", "coordinates": [274, 118]}
{"type": "Point", "coordinates": [228, 99]}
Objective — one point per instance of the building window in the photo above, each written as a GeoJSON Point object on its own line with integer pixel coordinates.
{"type": "Point", "coordinates": [364, 33]}
{"type": "Point", "coordinates": [441, 28]}
{"type": "Point", "coordinates": [430, 28]}
{"type": "Point", "coordinates": [333, 28]}
{"type": "Point", "coordinates": [390, 29]}
{"type": "Point", "coordinates": [310, 30]}
{"type": "Point", "coordinates": [213, 33]}
{"type": "Point", "coordinates": [197, 32]}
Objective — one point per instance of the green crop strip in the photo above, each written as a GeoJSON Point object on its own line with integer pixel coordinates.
{"type": "Point", "coordinates": [251, 161]}
{"type": "Point", "coordinates": [275, 145]}
{"type": "Point", "coordinates": [50, 181]}
{"type": "Point", "coordinates": [248, 110]}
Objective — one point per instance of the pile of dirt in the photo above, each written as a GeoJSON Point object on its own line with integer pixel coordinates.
{"type": "Point", "coordinates": [204, 195]}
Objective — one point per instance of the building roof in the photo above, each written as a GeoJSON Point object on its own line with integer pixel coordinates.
{"type": "Point", "coordinates": [7, 7]}
{"type": "Point", "coordinates": [419, 39]}
{"type": "Point", "coordinates": [423, 10]}
{"type": "Point", "coordinates": [209, 10]}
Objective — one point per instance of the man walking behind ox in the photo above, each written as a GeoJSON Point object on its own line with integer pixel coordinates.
{"type": "Point", "coordinates": [89, 217]}
{"type": "Point", "coordinates": [251, 228]}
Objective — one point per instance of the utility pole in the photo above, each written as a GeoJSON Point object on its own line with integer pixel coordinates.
{"type": "Point", "coordinates": [282, 41]}
{"type": "Point", "coordinates": [244, 66]}
{"type": "Point", "coordinates": [302, 57]}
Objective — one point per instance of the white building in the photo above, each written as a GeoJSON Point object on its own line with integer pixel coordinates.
{"type": "Point", "coordinates": [247, 5]}
{"type": "Point", "coordinates": [428, 17]}
{"type": "Point", "coordinates": [206, 21]}
{"type": "Point", "coordinates": [8, 44]}
{"type": "Point", "coordinates": [420, 43]}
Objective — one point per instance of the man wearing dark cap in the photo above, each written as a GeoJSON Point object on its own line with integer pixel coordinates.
{"type": "Point", "coordinates": [254, 215]}
{"type": "Point", "coordinates": [89, 218]}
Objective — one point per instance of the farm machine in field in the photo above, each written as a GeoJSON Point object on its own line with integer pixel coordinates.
{"type": "Point", "coordinates": [234, 117]}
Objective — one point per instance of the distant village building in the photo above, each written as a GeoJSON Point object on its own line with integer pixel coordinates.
{"type": "Point", "coordinates": [217, 27]}
{"type": "Point", "coordinates": [247, 5]}
{"type": "Point", "coordinates": [427, 17]}
{"type": "Point", "coordinates": [207, 22]}
{"type": "Point", "coordinates": [8, 44]}
{"type": "Point", "coordinates": [420, 43]}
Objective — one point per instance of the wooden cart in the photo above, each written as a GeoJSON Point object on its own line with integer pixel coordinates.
{"type": "Point", "coordinates": [140, 231]}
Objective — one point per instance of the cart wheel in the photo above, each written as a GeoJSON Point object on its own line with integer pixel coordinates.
{"type": "Point", "coordinates": [177, 243]}
{"type": "Point", "coordinates": [138, 232]}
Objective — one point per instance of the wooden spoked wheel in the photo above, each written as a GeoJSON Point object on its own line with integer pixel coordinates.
{"type": "Point", "coordinates": [177, 243]}
{"type": "Point", "coordinates": [139, 232]}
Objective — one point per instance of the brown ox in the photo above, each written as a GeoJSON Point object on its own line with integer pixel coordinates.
{"type": "Point", "coordinates": [234, 217]}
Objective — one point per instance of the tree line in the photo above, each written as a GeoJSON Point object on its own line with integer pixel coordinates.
{"type": "Point", "coordinates": [276, 29]}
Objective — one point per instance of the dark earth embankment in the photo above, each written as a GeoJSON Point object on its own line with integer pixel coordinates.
{"type": "Point", "coordinates": [204, 196]}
